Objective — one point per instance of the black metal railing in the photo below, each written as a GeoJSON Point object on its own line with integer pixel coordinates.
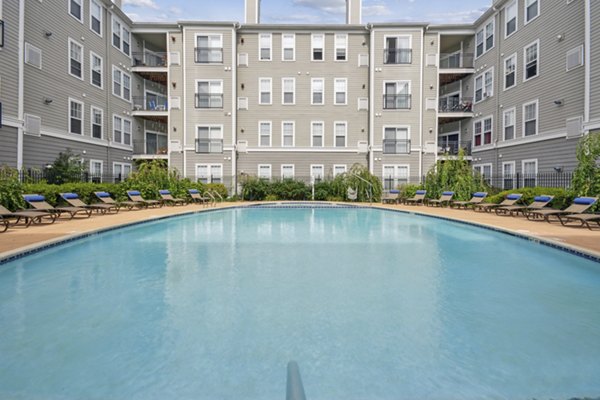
{"type": "Point", "coordinates": [397, 56]}
{"type": "Point", "coordinates": [452, 147]}
{"type": "Point", "coordinates": [455, 104]}
{"type": "Point", "coordinates": [149, 59]}
{"type": "Point", "coordinates": [209, 100]}
{"type": "Point", "coordinates": [397, 101]}
{"type": "Point", "coordinates": [209, 145]}
{"type": "Point", "coordinates": [456, 60]}
{"type": "Point", "coordinates": [150, 103]}
{"type": "Point", "coordinates": [151, 148]}
{"type": "Point", "coordinates": [520, 180]}
{"type": "Point", "coordinates": [37, 175]}
{"type": "Point", "coordinates": [396, 146]}
{"type": "Point", "coordinates": [208, 55]}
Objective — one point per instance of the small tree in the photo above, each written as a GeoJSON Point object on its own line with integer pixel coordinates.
{"type": "Point", "coordinates": [586, 178]}
{"type": "Point", "coordinates": [10, 188]}
{"type": "Point", "coordinates": [68, 167]}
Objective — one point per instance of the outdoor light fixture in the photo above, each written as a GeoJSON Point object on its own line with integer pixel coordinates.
{"type": "Point", "coordinates": [558, 102]}
{"type": "Point", "coordinates": [48, 100]}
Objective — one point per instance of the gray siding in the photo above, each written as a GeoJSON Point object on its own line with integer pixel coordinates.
{"type": "Point", "coordinates": [9, 60]}
{"type": "Point", "coordinates": [595, 63]}
{"type": "Point", "coordinates": [8, 146]}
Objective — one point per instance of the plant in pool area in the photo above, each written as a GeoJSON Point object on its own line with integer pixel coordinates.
{"type": "Point", "coordinates": [586, 178]}
{"type": "Point", "coordinates": [10, 188]}
{"type": "Point", "coordinates": [562, 197]}
{"type": "Point", "coordinates": [357, 178]}
{"type": "Point", "coordinates": [289, 189]}
{"type": "Point", "coordinates": [408, 190]}
{"type": "Point", "coordinates": [68, 167]}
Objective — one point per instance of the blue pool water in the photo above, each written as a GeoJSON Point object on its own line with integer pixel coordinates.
{"type": "Point", "coordinates": [371, 304]}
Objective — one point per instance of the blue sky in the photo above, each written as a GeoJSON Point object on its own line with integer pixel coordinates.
{"type": "Point", "coordinates": [307, 11]}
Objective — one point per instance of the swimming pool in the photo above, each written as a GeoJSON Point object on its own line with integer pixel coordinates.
{"type": "Point", "coordinates": [371, 304]}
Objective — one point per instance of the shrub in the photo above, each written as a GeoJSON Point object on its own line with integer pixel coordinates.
{"type": "Point", "coordinates": [409, 190]}
{"type": "Point", "coordinates": [254, 189]}
{"type": "Point", "coordinates": [586, 178]}
{"type": "Point", "coordinates": [271, 197]}
{"type": "Point", "coordinates": [289, 189]}
{"type": "Point", "coordinates": [216, 187]}
{"type": "Point", "coordinates": [10, 189]}
{"type": "Point", "coordinates": [66, 168]}
{"type": "Point", "coordinates": [562, 197]}
{"type": "Point", "coordinates": [357, 178]}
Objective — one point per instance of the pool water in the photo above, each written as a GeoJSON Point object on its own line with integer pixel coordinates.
{"type": "Point", "coordinates": [371, 304]}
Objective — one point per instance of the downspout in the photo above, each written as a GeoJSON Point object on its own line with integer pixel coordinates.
{"type": "Point", "coordinates": [421, 105]}
{"type": "Point", "coordinates": [234, 107]}
{"type": "Point", "coordinates": [21, 87]}
{"type": "Point", "coordinates": [371, 98]}
{"type": "Point", "coordinates": [185, 104]}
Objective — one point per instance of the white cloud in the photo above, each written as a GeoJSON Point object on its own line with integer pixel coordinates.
{"type": "Point", "coordinates": [376, 10]}
{"type": "Point", "coordinates": [141, 3]}
{"type": "Point", "coordinates": [457, 17]}
{"type": "Point", "coordinates": [328, 6]}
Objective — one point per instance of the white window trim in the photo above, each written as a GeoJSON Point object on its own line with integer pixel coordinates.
{"type": "Point", "coordinates": [101, 18]}
{"type": "Point", "coordinates": [112, 82]}
{"type": "Point", "coordinates": [397, 82]}
{"type": "Point", "coordinates": [122, 165]}
{"type": "Point", "coordinates": [396, 127]}
{"type": "Point", "coordinates": [335, 124]}
{"type": "Point", "coordinates": [92, 109]}
{"type": "Point", "coordinates": [514, 169]}
{"type": "Point", "coordinates": [293, 35]}
{"type": "Point", "coordinates": [335, 47]}
{"type": "Point", "coordinates": [335, 166]}
{"type": "Point", "coordinates": [483, 92]}
{"type": "Point", "coordinates": [210, 168]}
{"type": "Point", "coordinates": [208, 34]}
{"type": "Point", "coordinates": [283, 103]}
{"type": "Point", "coordinates": [312, 47]}
{"type": "Point", "coordinates": [535, 42]}
{"type": "Point", "coordinates": [222, 92]}
{"type": "Point", "coordinates": [516, 3]}
{"type": "Point", "coordinates": [312, 91]}
{"type": "Point", "coordinates": [101, 166]}
{"type": "Point", "coordinates": [484, 28]}
{"type": "Point", "coordinates": [121, 36]}
{"type": "Point", "coordinates": [270, 123]}
{"type": "Point", "coordinates": [398, 36]}
{"type": "Point", "coordinates": [514, 55]}
{"type": "Point", "coordinates": [531, 160]}
{"type": "Point", "coordinates": [72, 100]}
{"type": "Point", "coordinates": [482, 166]}
{"type": "Point", "coordinates": [537, 117]}
{"type": "Point", "coordinates": [123, 119]}
{"type": "Point", "coordinates": [514, 109]}
{"type": "Point", "coordinates": [71, 41]}
{"type": "Point", "coordinates": [312, 123]}
{"type": "Point", "coordinates": [525, 22]}
{"type": "Point", "coordinates": [82, 11]}
{"type": "Point", "coordinates": [482, 120]}
{"type": "Point", "coordinates": [312, 177]}
{"type": "Point", "coordinates": [293, 170]}
{"type": "Point", "coordinates": [293, 123]}
{"type": "Point", "coordinates": [264, 166]}
{"type": "Point", "coordinates": [335, 103]}
{"type": "Point", "coordinates": [259, 92]}
{"type": "Point", "coordinates": [92, 55]}
{"type": "Point", "coordinates": [396, 168]}
{"type": "Point", "coordinates": [270, 47]}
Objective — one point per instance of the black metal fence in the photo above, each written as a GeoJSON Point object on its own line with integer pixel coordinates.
{"type": "Point", "coordinates": [50, 176]}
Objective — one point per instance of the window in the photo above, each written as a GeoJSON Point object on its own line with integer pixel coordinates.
{"type": "Point", "coordinates": [75, 59]}
{"type": "Point", "coordinates": [397, 95]}
{"type": "Point", "coordinates": [531, 61]}
{"type": "Point", "coordinates": [508, 175]}
{"type": "Point", "coordinates": [397, 50]}
{"type": "Point", "coordinates": [532, 10]}
{"type": "Point", "coordinates": [288, 47]}
{"type": "Point", "coordinates": [530, 119]}
{"type": "Point", "coordinates": [509, 117]}
{"type": "Point", "coordinates": [265, 85]}
{"type": "Point", "coordinates": [121, 84]}
{"type": "Point", "coordinates": [97, 117]}
{"type": "Point", "coordinates": [209, 94]}
{"type": "Point", "coordinates": [394, 176]}
{"type": "Point", "coordinates": [125, 40]}
{"type": "Point", "coordinates": [287, 171]}
{"type": "Point", "coordinates": [264, 172]}
{"type": "Point", "coordinates": [121, 171]}
{"type": "Point", "coordinates": [484, 85]}
{"type": "Point", "coordinates": [316, 134]}
{"type": "Point", "coordinates": [75, 117]}
{"type": "Point", "coordinates": [96, 17]}
{"type": "Point", "coordinates": [339, 169]}
{"type": "Point", "coordinates": [209, 139]}
{"type": "Point", "coordinates": [209, 49]}
{"type": "Point", "coordinates": [96, 167]}
{"type": "Point", "coordinates": [484, 171]}
{"type": "Point", "coordinates": [317, 88]}
{"type": "Point", "coordinates": [121, 35]}
{"type": "Point", "coordinates": [121, 130]}
{"type": "Point", "coordinates": [340, 131]}
{"type": "Point", "coordinates": [76, 9]}
{"type": "Point", "coordinates": [530, 171]}
{"type": "Point", "coordinates": [341, 47]}
{"type": "Point", "coordinates": [209, 173]}
{"type": "Point", "coordinates": [316, 173]}
{"type": "Point", "coordinates": [575, 58]}
{"type": "Point", "coordinates": [287, 133]}
{"type": "Point", "coordinates": [264, 133]}
{"type": "Point", "coordinates": [265, 41]}
{"type": "Point", "coordinates": [340, 88]}
{"type": "Point", "coordinates": [288, 89]}
{"type": "Point", "coordinates": [96, 69]}
{"type": "Point", "coordinates": [482, 132]}
{"type": "Point", "coordinates": [396, 140]}
{"type": "Point", "coordinates": [156, 143]}
{"type": "Point", "coordinates": [484, 39]}
{"type": "Point", "coordinates": [318, 47]}
{"type": "Point", "coordinates": [510, 16]}
{"type": "Point", "coordinates": [510, 72]}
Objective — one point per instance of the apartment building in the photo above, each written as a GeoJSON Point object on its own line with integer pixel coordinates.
{"type": "Point", "coordinates": [516, 91]}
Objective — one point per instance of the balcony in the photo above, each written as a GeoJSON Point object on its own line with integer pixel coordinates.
{"type": "Point", "coordinates": [209, 100]}
{"type": "Point", "coordinates": [209, 55]}
{"type": "Point", "coordinates": [396, 146]}
{"type": "Point", "coordinates": [206, 146]}
{"type": "Point", "coordinates": [151, 106]}
{"type": "Point", "coordinates": [455, 66]}
{"type": "Point", "coordinates": [151, 65]}
{"type": "Point", "coordinates": [396, 101]}
{"type": "Point", "coordinates": [397, 56]}
{"type": "Point", "coordinates": [150, 149]}
{"type": "Point", "coordinates": [451, 148]}
{"type": "Point", "coordinates": [454, 108]}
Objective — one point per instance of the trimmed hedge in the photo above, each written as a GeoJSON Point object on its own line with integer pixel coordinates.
{"type": "Point", "coordinates": [562, 197]}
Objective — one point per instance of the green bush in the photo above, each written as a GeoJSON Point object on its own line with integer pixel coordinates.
{"type": "Point", "coordinates": [10, 189]}
{"type": "Point", "coordinates": [289, 189]}
{"type": "Point", "coordinates": [254, 189]}
{"type": "Point", "coordinates": [357, 178]}
{"type": "Point", "coordinates": [271, 197]}
{"type": "Point", "coordinates": [562, 197]}
{"type": "Point", "coordinates": [218, 188]}
{"type": "Point", "coordinates": [66, 168]}
{"type": "Point", "coordinates": [408, 190]}
{"type": "Point", "coordinates": [586, 178]}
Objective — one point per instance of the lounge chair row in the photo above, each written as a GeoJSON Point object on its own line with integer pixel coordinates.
{"type": "Point", "coordinates": [41, 211]}
{"type": "Point", "coordinates": [537, 210]}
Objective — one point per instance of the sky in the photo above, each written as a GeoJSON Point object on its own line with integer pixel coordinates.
{"type": "Point", "coordinates": [307, 11]}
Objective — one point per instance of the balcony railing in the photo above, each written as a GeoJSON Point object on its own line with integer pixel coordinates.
{"type": "Point", "coordinates": [209, 100]}
{"type": "Point", "coordinates": [149, 148]}
{"type": "Point", "coordinates": [452, 148]}
{"type": "Point", "coordinates": [150, 103]}
{"type": "Point", "coordinates": [209, 145]}
{"type": "Point", "coordinates": [455, 104]}
{"type": "Point", "coordinates": [149, 59]}
{"type": "Point", "coordinates": [396, 101]}
{"type": "Point", "coordinates": [396, 146]}
{"type": "Point", "coordinates": [397, 56]}
{"type": "Point", "coordinates": [208, 55]}
{"type": "Point", "coordinates": [456, 60]}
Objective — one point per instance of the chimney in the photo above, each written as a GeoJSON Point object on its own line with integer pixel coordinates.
{"type": "Point", "coordinates": [253, 11]}
{"type": "Point", "coordinates": [353, 12]}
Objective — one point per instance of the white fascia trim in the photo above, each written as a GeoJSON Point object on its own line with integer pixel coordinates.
{"type": "Point", "coordinates": [526, 140]}
{"type": "Point", "coordinates": [301, 150]}
{"type": "Point", "coordinates": [83, 139]}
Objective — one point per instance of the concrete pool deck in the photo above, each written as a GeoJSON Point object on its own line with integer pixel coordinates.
{"type": "Point", "coordinates": [19, 239]}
